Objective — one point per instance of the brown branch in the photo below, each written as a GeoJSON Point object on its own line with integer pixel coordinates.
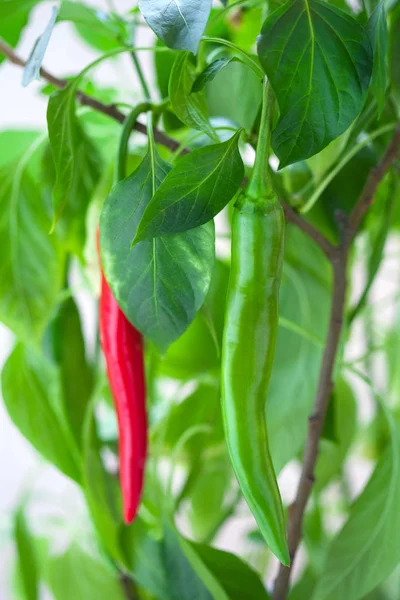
{"type": "Point", "coordinates": [161, 138]}
{"type": "Point", "coordinates": [349, 229]}
{"type": "Point", "coordinates": [375, 177]}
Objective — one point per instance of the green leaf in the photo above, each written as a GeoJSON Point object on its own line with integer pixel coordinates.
{"type": "Point", "coordinates": [101, 489]}
{"type": "Point", "coordinates": [210, 73]}
{"type": "Point", "coordinates": [64, 136]}
{"type": "Point", "coordinates": [179, 23]}
{"type": "Point", "coordinates": [304, 300]}
{"type": "Point", "coordinates": [185, 570]}
{"type": "Point", "coordinates": [190, 108]}
{"type": "Point", "coordinates": [14, 15]}
{"type": "Point", "coordinates": [28, 292]}
{"type": "Point", "coordinates": [332, 454]}
{"type": "Point", "coordinates": [198, 350]}
{"type": "Point", "coordinates": [394, 53]}
{"type": "Point", "coordinates": [195, 191]}
{"type": "Point", "coordinates": [378, 32]}
{"type": "Point", "coordinates": [100, 29]}
{"type": "Point", "coordinates": [77, 574]}
{"type": "Point", "coordinates": [70, 356]}
{"type": "Point", "coordinates": [32, 67]}
{"type": "Point", "coordinates": [367, 549]}
{"type": "Point", "coordinates": [32, 397]}
{"type": "Point", "coordinates": [235, 94]}
{"type": "Point", "coordinates": [144, 559]}
{"type": "Point", "coordinates": [319, 62]}
{"type": "Point", "coordinates": [236, 577]}
{"type": "Point", "coordinates": [159, 284]}
{"type": "Point", "coordinates": [26, 554]}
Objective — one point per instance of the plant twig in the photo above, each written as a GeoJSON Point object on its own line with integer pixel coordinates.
{"type": "Point", "coordinates": [161, 138]}
{"type": "Point", "coordinates": [349, 228]}
{"type": "Point", "coordinates": [128, 588]}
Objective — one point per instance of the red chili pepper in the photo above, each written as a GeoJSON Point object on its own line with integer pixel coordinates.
{"type": "Point", "coordinates": [123, 351]}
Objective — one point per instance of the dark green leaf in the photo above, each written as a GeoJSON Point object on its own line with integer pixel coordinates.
{"type": "Point", "coordinates": [144, 559]}
{"type": "Point", "coordinates": [76, 373]}
{"type": "Point", "coordinates": [26, 556]}
{"type": "Point", "coordinates": [367, 549]}
{"type": "Point", "coordinates": [32, 396]}
{"type": "Point", "coordinates": [235, 94]}
{"type": "Point", "coordinates": [101, 489]}
{"type": "Point", "coordinates": [32, 67]}
{"type": "Point", "coordinates": [319, 62]}
{"type": "Point", "coordinates": [98, 28]}
{"type": "Point", "coordinates": [394, 53]}
{"type": "Point", "coordinates": [210, 73]}
{"type": "Point", "coordinates": [190, 108]}
{"type": "Point", "coordinates": [378, 33]}
{"type": "Point", "coordinates": [182, 566]}
{"type": "Point", "coordinates": [236, 577]}
{"type": "Point", "coordinates": [77, 574]}
{"type": "Point", "coordinates": [180, 24]}
{"type": "Point", "coordinates": [195, 191]}
{"type": "Point", "coordinates": [32, 261]}
{"type": "Point", "coordinates": [159, 284]}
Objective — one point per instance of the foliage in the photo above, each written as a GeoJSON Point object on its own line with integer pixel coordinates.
{"type": "Point", "coordinates": [334, 79]}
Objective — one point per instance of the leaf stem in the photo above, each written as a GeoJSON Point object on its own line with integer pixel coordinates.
{"type": "Point", "coordinates": [140, 74]}
{"type": "Point", "coordinates": [246, 58]}
{"type": "Point", "coordinates": [128, 125]}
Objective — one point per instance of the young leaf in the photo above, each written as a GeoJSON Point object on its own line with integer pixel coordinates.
{"type": "Point", "coordinates": [32, 397]}
{"type": "Point", "coordinates": [27, 562]}
{"type": "Point", "coordinates": [195, 191]}
{"type": "Point", "coordinates": [378, 32]}
{"type": "Point", "coordinates": [32, 67]}
{"type": "Point", "coordinates": [367, 549]}
{"type": "Point", "coordinates": [77, 574]}
{"type": "Point", "coordinates": [64, 136]}
{"type": "Point", "coordinates": [190, 108]}
{"type": "Point", "coordinates": [178, 23]}
{"type": "Point", "coordinates": [210, 73]}
{"type": "Point", "coordinates": [28, 292]}
{"type": "Point", "coordinates": [98, 28]}
{"type": "Point", "coordinates": [160, 284]}
{"type": "Point", "coordinates": [319, 62]}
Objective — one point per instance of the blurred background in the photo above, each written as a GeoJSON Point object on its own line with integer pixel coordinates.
{"type": "Point", "coordinates": [53, 498]}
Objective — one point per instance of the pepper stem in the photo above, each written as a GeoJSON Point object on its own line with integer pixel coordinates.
{"type": "Point", "coordinates": [260, 188]}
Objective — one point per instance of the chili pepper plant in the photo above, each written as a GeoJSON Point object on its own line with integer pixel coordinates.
{"type": "Point", "coordinates": [229, 207]}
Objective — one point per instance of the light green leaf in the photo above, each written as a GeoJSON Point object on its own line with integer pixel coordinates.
{"type": "Point", "coordinates": [235, 81]}
{"type": "Point", "coordinates": [178, 23]}
{"type": "Point", "coordinates": [32, 262]}
{"type": "Point", "coordinates": [64, 136]}
{"type": "Point", "coordinates": [26, 557]}
{"type": "Point", "coordinates": [195, 191]}
{"type": "Point", "coordinates": [367, 549]}
{"type": "Point", "coordinates": [159, 284]}
{"type": "Point", "coordinates": [190, 108]}
{"type": "Point", "coordinates": [77, 574]}
{"type": "Point", "coordinates": [319, 62]}
{"type": "Point", "coordinates": [32, 67]}
{"type": "Point", "coordinates": [14, 15]}
{"type": "Point", "coordinates": [378, 32]}
{"type": "Point", "coordinates": [101, 489]}
{"type": "Point", "coordinates": [32, 397]}
{"type": "Point", "coordinates": [100, 29]}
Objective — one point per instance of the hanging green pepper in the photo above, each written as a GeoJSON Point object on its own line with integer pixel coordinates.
{"type": "Point", "coordinates": [249, 341]}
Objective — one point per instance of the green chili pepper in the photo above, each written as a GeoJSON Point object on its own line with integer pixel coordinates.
{"type": "Point", "coordinates": [249, 342]}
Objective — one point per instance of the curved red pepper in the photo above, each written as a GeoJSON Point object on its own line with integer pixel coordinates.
{"type": "Point", "coordinates": [123, 351]}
